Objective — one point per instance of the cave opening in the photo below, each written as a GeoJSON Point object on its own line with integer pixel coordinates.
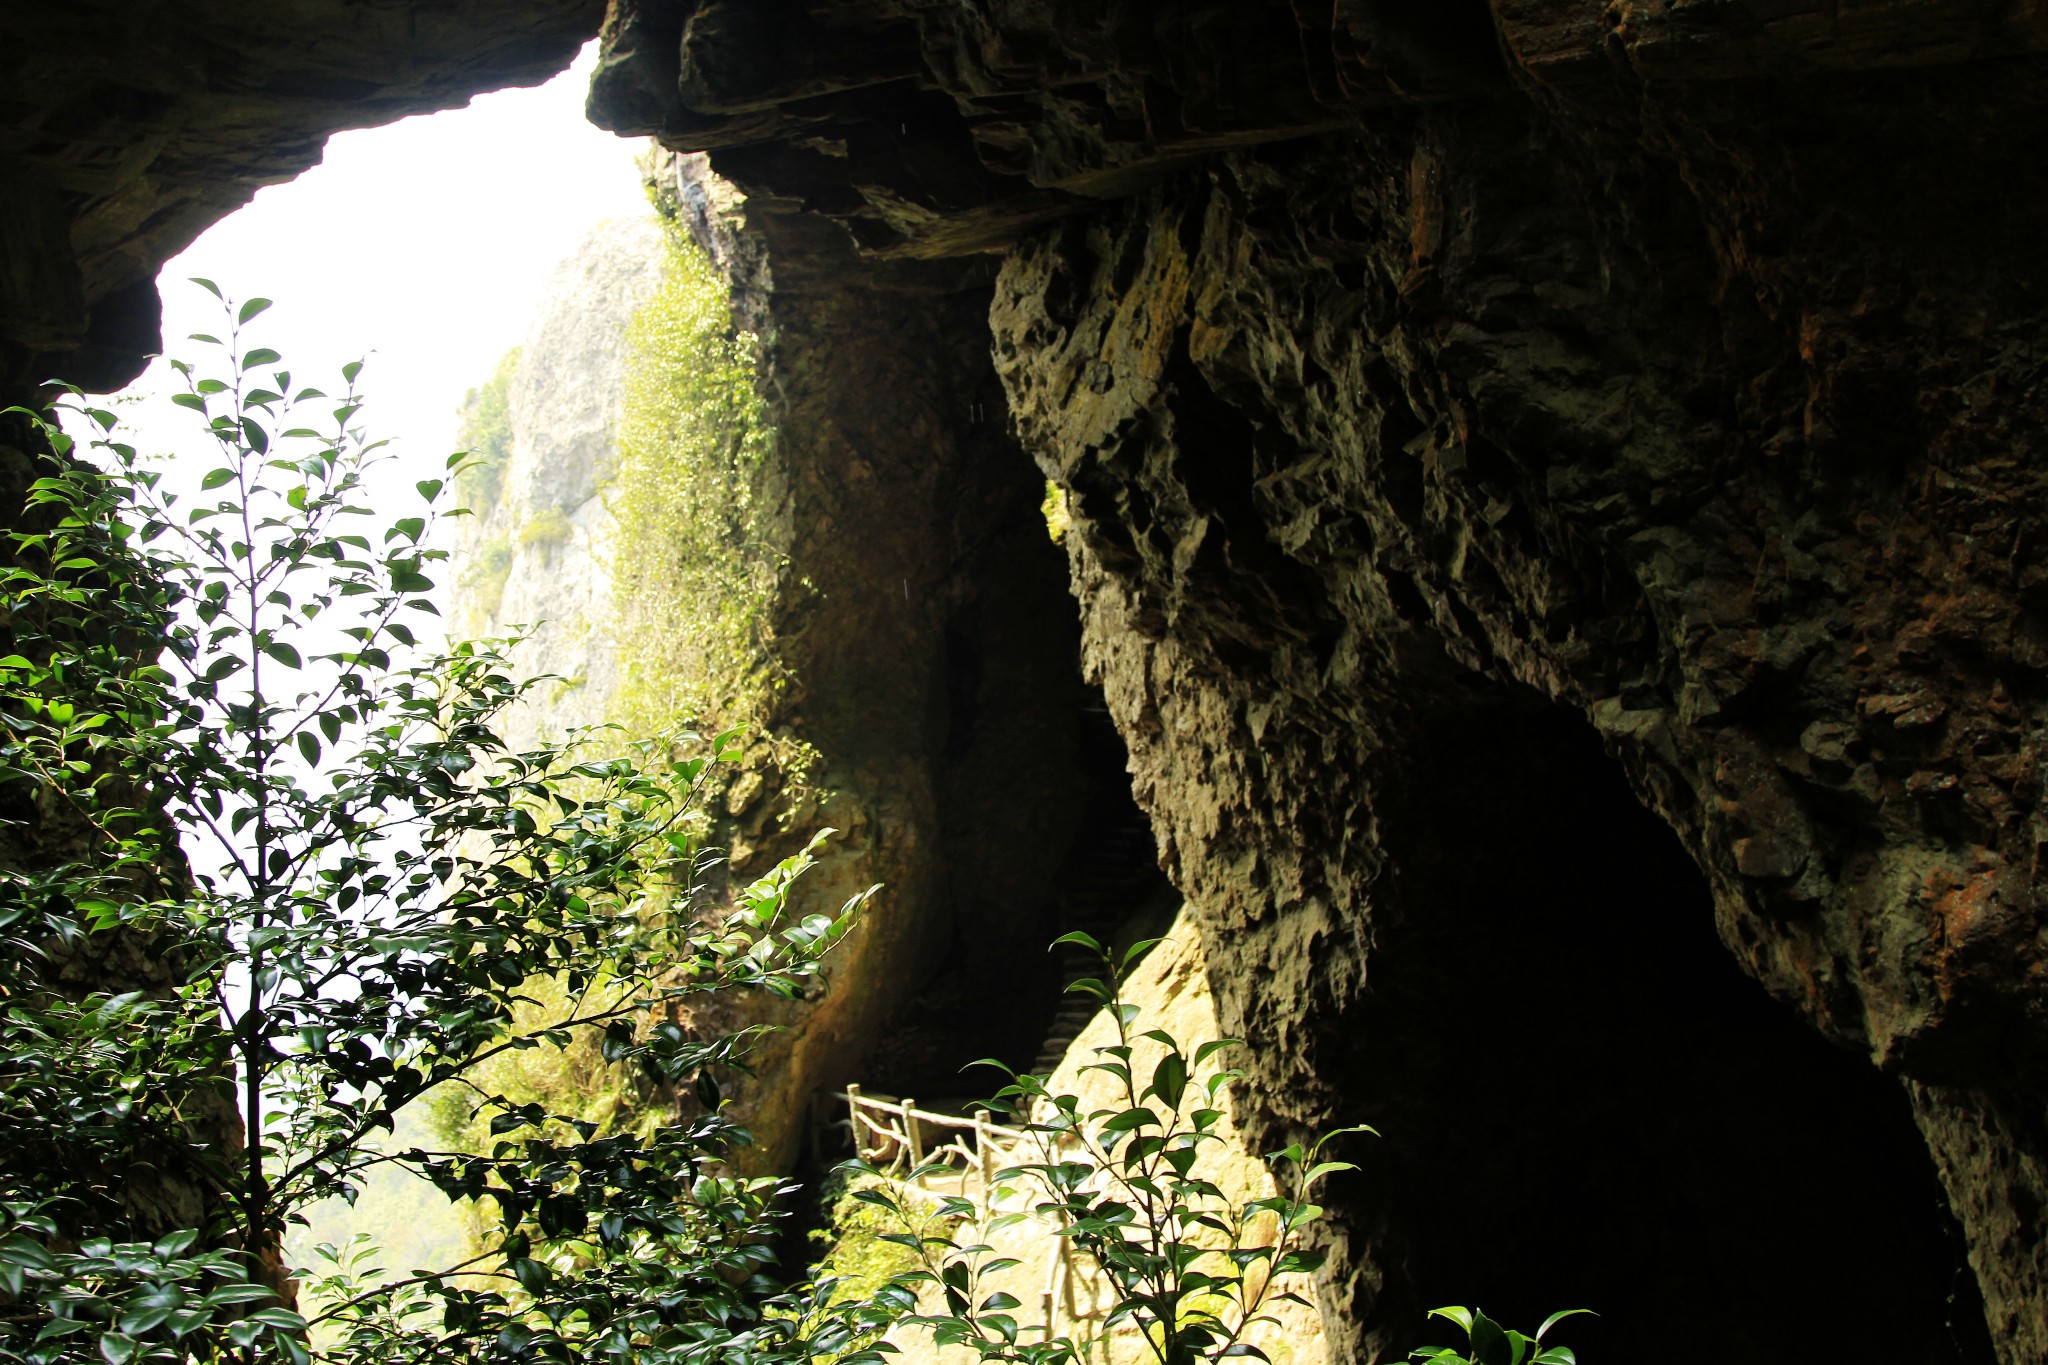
{"type": "Point", "coordinates": [1038, 850]}
{"type": "Point", "coordinates": [1586, 1104]}
{"type": "Point", "coordinates": [1032, 826]}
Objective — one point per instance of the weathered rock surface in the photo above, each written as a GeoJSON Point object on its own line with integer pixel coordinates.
{"type": "Point", "coordinates": [1671, 365]}
{"type": "Point", "coordinates": [128, 128]}
{"type": "Point", "coordinates": [1437, 389]}
{"type": "Point", "coordinates": [922, 615]}
{"type": "Point", "coordinates": [536, 556]}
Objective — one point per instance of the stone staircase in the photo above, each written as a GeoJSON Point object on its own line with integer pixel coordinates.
{"type": "Point", "coordinates": [1112, 879]}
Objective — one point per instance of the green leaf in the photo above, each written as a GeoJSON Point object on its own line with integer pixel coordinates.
{"type": "Point", "coordinates": [1560, 1316]}
{"type": "Point", "coordinates": [117, 1348]}
{"type": "Point", "coordinates": [283, 653]}
{"type": "Point", "coordinates": [238, 1293]}
{"type": "Point", "coordinates": [257, 439]}
{"type": "Point", "coordinates": [210, 287]}
{"type": "Point", "coordinates": [1490, 1345]}
{"type": "Point", "coordinates": [251, 309]}
{"type": "Point", "coordinates": [261, 355]}
{"type": "Point", "coordinates": [309, 749]}
{"type": "Point", "coordinates": [429, 488]}
{"type": "Point", "coordinates": [1129, 1120]}
{"type": "Point", "coordinates": [216, 477]}
{"type": "Point", "coordinates": [177, 1243]}
{"type": "Point", "coordinates": [1170, 1080]}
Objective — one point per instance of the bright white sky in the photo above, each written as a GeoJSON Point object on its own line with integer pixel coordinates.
{"type": "Point", "coordinates": [422, 246]}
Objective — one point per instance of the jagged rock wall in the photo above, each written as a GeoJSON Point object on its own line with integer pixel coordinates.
{"type": "Point", "coordinates": [1367, 433]}
{"type": "Point", "coordinates": [1416, 371]}
{"type": "Point", "coordinates": [889, 532]}
{"type": "Point", "coordinates": [922, 617]}
{"type": "Point", "coordinates": [1670, 365]}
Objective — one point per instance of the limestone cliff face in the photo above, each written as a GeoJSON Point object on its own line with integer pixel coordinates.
{"type": "Point", "coordinates": [921, 618]}
{"type": "Point", "coordinates": [535, 554]}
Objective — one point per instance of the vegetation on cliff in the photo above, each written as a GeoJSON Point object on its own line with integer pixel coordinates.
{"type": "Point", "coordinates": [486, 432]}
{"type": "Point", "coordinates": [382, 880]}
{"type": "Point", "coordinates": [692, 572]}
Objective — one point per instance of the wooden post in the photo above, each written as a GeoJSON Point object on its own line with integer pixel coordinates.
{"type": "Point", "coordinates": [1067, 1279]}
{"type": "Point", "coordinates": [1049, 1297]}
{"type": "Point", "coordinates": [860, 1148]}
{"type": "Point", "coordinates": [986, 1159]}
{"type": "Point", "coordinates": [911, 1132]}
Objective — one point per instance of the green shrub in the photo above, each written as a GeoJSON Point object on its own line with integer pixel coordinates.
{"type": "Point", "coordinates": [486, 432]}
{"type": "Point", "coordinates": [483, 581]}
{"type": "Point", "coordinates": [387, 887]}
{"type": "Point", "coordinates": [692, 575]}
{"type": "Point", "coordinates": [546, 528]}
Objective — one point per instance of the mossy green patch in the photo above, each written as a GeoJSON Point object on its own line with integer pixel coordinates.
{"type": "Point", "coordinates": [694, 565]}
{"type": "Point", "coordinates": [487, 430]}
{"type": "Point", "coordinates": [691, 575]}
{"type": "Point", "coordinates": [854, 1246]}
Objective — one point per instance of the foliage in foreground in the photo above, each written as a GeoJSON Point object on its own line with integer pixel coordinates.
{"type": "Point", "coordinates": [377, 884]}
{"type": "Point", "coordinates": [1488, 1343]}
{"type": "Point", "coordinates": [1191, 1273]}
{"type": "Point", "coordinates": [376, 881]}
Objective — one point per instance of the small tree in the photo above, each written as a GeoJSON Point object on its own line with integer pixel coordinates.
{"type": "Point", "coordinates": [374, 880]}
{"type": "Point", "coordinates": [1190, 1272]}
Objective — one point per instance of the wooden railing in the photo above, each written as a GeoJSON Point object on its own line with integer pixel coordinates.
{"type": "Point", "coordinates": [898, 1137]}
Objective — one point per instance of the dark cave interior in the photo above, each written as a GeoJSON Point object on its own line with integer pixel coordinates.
{"type": "Point", "coordinates": [1040, 833]}
{"type": "Point", "coordinates": [999, 991]}
{"type": "Point", "coordinates": [1585, 1104]}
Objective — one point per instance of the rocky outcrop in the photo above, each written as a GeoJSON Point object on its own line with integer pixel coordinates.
{"type": "Point", "coordinates": [1415, 371]}
{"type": "Point", "coordinates": [129, 128]}
{"type": "Point", "coordinates": [919, 619]}
{"type": "Point", "coordinates": [1481, 424]}
{"type": "Point", "coordinates": [922, 619]}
